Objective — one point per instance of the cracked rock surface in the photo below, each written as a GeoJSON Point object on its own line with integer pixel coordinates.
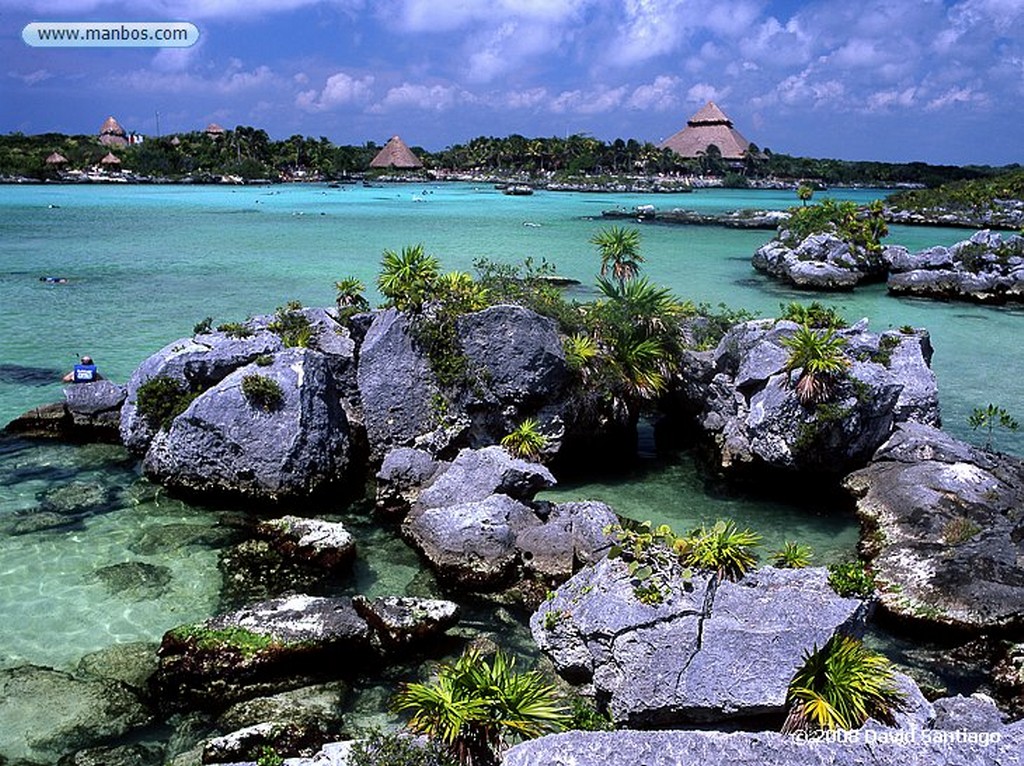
{"type": "Point", "coordinates": [711, 651]}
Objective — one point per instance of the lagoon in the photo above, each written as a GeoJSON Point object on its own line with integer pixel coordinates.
{"type": "Point", "coordinates": [144, 264]}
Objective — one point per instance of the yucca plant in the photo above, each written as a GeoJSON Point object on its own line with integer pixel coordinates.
{"type": "Point", "coordinates": [526, 440]}
{"type": "Point", "coordinates": [460, 292]}
{"type": "Point", "coordinates": [793, 556]}
{"type": "Point", "coordinates": [478, 708]}
{"type": "Point", "coordinates": [840, 686]}
{"type": "Point", "coordinates": [349, 295]}
{"type": "Point", "coordinates": [407, 277]}
{"type": "Point", "coordinates": [580, 350]}
{"type": "Point", "coordinates": [722, 549]}
{"type": "Point", "coordinates": [819, 354]}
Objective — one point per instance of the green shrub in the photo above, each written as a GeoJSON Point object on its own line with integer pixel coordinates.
{"type": "Point", "coordinates": [161, 399]}
{"type": "Point", "coordinates": [268, 756]}
{"type": "Point", "coordinates": [959, 530]}
{"type": "Point", "coordinates": [851, 579]}
{"type": "Point", "coordinates": [721, 548]}
{"type": "Point", "coordinates": [526, 440]}
{"type": "Point", "coordinates": [264, 360]}
{"type": "Point", "coordinates": [203, 327]}
{"type": "Point", "coordinates": [816, 315]}
{"type": "Point", "coordinates": [586, 717]}
{"type": "Point", "coordinates": [989, 418]}
{"type": "Point", "coordinates": [478, 708]}
{"type": "Point", "coordinates": [793, 556]}
{"type": "Point", "coordinates": [408, 277]}
{"type": "Point", "coordinates": [292, 326]}
{"type": "Point", "coordinates": [235, 330]}
{"type": "Point", "coordinates": [819, 354]}
{"type": "Point", "coordinates": [262, 392]}
{"type": "Point", "coordinates": [840, 686]}
{"type": "Point", "coordinates": [650, 556]}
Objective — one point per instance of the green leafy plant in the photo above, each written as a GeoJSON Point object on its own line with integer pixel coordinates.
{"type": "Point", "coordinates": [819, 356]}
{"type": "Point", "coordinates": [721, 548]}
{"type": "Point", "coordinates": [988, 419]}
{"type": "Point", "coordinates": [526, 440]}
{"type": "Point", "coordinates": [651, 558]}
{"type": "Point", "coordinates": [959, 530]}
{"type": "Point", "coordinates": [816, 315]}
{"type": "Point", "coordinates": [407, 277]}
{"type": "Point", "coordinates": [459, 292]}
{"type": "Point", "coordinates": [264, 360]}
{"type": "Point", "coordinates": [203, 326]}
{"type": "Point", "coordinates": [268, 756]}
{"type": "Point", "coordinates": [850, 578]}
{"type": "Point", "coordinates": [586, 717]}
{"type": "Point", "coordinates": [620, 252]}
{"type": "Point", "coordinates": [793, 556]}
{"type": "Point", "coordinates": [804, 193]}
{"type": "Point", "coordinates": [161, 399]}
{"type": "Point", "coordinates": [378, 748]}
{"type": "Point", "coordinates": [349, 298]}
{"type": "Point", "coordinates": [580, 351]}
{"type": "Point", "coordinates": [292, 326]}
{"type": "Point", "coordinates": [235, 330]}
{"type": "Point", "coordinates": [477, 708]}
{"type": "Point", "coordinates": [840, 686]}
{"type": "Point", "coordinates": [262, 392]}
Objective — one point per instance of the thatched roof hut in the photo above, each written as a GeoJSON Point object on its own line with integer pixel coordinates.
{"type": "Point", "coordinates": [213, 130]}
{"type": "Point", "coordinates": [706, 127]}
{"type": "Point", "coordinates": [56, 159]}
{"type": "Point", "coordinates": [396, 154]}
{"type": "Point", "coordinates": [112, 134]}
{"type": "Point", "coordinates": [175, 141]}
{"type": "Point", "coordinates": [110, 160]}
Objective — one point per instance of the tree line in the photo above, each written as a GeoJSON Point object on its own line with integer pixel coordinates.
{"type": "Point", "coordinates": [251, 154]}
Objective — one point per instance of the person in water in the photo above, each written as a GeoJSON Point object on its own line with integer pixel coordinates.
{"type": "Point", "coordinates": [84, 372]}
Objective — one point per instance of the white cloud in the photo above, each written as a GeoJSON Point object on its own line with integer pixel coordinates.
{"type": "Point", "coordinates": [702, 92]}
{"type": "Point", "coordinates": [883, 100]}
{"type": "Point", "coordinates": [433, 16]}
{"type": "Point", "coordinates": [595, 101]}
{"type": "Point", "coordinates": [659, 96]}
{"type": "Point", "coordinates": [522, 99]}
{"type": "Point", "coordinates": [31, 78]}
{"type": "Point", "coordinates": [956, 96]}
{"type": "Point", "coordinates": [339, 90]}
{"type": "Point", "coordinates": [185, 10]}
{"type": "Point", "coordinates": [435, 98]}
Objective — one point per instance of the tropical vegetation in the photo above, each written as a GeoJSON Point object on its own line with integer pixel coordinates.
{"type": "Point", "coordinates": [161, 399]}
{"type": "Point", "coordinates": [262, 392]}
{"type": "Point", "coordinates": [851, 579]}
{"type": "Point", "coordinates": [478, 707]}
{"type": "Point", "coordinates": [526, 440]}
{"type": "Point", "coordinates": [840, 686]}
{"type": "Point", "coordinates": [620, 252]}
{"type": "Point", "coordinates": [818, 354]}
{"type": "Point", "coordinates": [792, 555]}
{"type": "Point", "coordinates": [862, 228]}
{"type": "Point", "coordinates": [988, 419]}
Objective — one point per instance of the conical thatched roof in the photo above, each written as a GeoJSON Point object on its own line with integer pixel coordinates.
{"type": "Point", "coordinates": [110, 159]}
{"type": "Point", "coordinates": [213, 130]}
{"type": "Point", "coordinates": [56, 159]}
{"type": "Point", "coordinates": [396, 154]}
{"type": "Point", "coordinates": [175, 141]}
{"type": "Point", "coordinates": [706, 127]}
{"type": "Point", "coordinates": [112, 134]}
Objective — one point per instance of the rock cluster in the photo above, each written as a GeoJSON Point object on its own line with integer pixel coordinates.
{"type": "Point", "coordinates": [743, 397]}
{"type": "Point", "coordinates": [820, 262]}
{"type": "Point", "coordinates": [985, 268]}
{"type": "Point", "coordinates": [944, 525]}
{"type": "Point", "coordinates": [90, 412]}
{"type": "Point", "coordinates": [710, 651]}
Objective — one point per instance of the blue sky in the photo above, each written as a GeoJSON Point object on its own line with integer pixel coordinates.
{"type": "Point", "coordinates": [939, 81]}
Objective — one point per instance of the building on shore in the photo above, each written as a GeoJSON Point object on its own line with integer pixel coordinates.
{"type": "Point", "coordinates": [215, 131]}
{"type": "Point", "coordinates": [709, 126]}
{"type": "Point", "coordinates": [112, 134]}
{"type": "Point", "coordinates": [396, 154]}
{"type": "Point", "coordinates": [57, 160]}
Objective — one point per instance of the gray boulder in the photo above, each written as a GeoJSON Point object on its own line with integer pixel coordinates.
{"type": "Point", "coordinates": [311, 542]}
{"type": "Point", "coordinates": [403, 473]}
{"type": "Point", "coordinates": [398, 621]}
{"type": "Point", "coordinates": [48, 713]}
{"type": "Point", "coordinates": [198, 363]}
{"type": "Point", "coordinates": [90, 412]}
{"type": "Point", "coordinates": [885, 747]}
{"type": "Point", "coordinates": [985, 268]}
{"type": "Point", "coordinates": [709, 652]}
{"type": "Point", "coordinates": [944, 530]}
{"type": "Point", "coordinates": [819, 262]}
{"type": "Point", "coordinates": [477, 473]}
{"type": "Point", "coordinates": [744, 399]}
{"type": "Point", "coordinates": [224, 443]}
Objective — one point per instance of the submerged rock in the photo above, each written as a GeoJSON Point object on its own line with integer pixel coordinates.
{"type": "Point", "coordinates": [137, 580]}
{"type": "Point", "coordinates": [710, 652]}
{"type": "Point", "coordinates": [944, 530]}
{"type": "Point", "coordinates": [312, 542]}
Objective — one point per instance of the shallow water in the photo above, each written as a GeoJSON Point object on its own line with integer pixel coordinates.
{"type": "Point", "coordinates": [145, 263]}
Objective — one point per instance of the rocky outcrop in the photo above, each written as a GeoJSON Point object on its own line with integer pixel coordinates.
{"type": "Point", "coordinates": [283, 644]}
{"type": "Point", "coordinates": [90, 412]}
{"type": "Point", "coordinates": [944, 530]}
{"type": "Point", "coordinates": [963, 733]}
{"type": "Point", "coordinates": [48, 713]}
{"type": "Point", "coordinates": [477, 526]}
{"type": "Point", "coordinates": [709, 652]}
{"type": "Point", "coordinates": [224, 442]}
{"type": "Point", "coordinates": [312, 542]}
{"type": "Point", "coordinates": [820, 262]}
{"type": "Point", "coordinates": [743, 398]}
{"type": "Point", "coordinates": [248, 744]}
{"type": "Point", "coordinates": [985, 268]}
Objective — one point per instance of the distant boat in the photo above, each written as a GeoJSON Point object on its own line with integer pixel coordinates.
{"type": "Point", "coordinates": [518, 190]}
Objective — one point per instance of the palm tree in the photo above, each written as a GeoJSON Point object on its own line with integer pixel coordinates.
{"type": "Point", "coordinates": [804, 193]}
{"type": "Point", "coordinates": [820, 357]}
{"type": "Point", "coordinates": [620, 251]}
{"type": "Point", "coordinates": [350, 295]}
{"type": "Point", "coordinates": [407, 277]}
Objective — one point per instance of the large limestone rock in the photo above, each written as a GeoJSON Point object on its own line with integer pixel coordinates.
{"type": "Point", "coordinates": [743, 398]}
{"type": "Point", "coordinates": [985, 268]}
{"type": "Point", "coordinates": [90, 412]}
{"type": "Point", "coordinates": [224, 443]}
{"type": "Point", "coordinates": [944, 529]}
{"type": "Point", "coordinates": [286, 643]}
{"type": "Point", "coordinates": [478, 527]}
{"type": "Point", "coordinates": [711, 651]}
{"type": "Point", "coordinates": [819, 262]}
{"type": "Point", "coordinates": [943, 741]}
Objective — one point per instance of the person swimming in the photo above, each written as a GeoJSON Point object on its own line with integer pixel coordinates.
{"type": "Point", "coordinates": [85, 372]}
{"type": "Point", "coordinates": [54, 280]}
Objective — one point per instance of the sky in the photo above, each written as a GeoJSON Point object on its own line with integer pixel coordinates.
{"type": "Point", "coordinates": [939, 81]}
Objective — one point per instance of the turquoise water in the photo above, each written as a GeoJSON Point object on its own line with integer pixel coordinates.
{"type": "Point", "coordinates": [144, 264]}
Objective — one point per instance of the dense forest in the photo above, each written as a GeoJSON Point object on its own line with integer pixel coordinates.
{"type": "Point", "coordinates": [249, 153]}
